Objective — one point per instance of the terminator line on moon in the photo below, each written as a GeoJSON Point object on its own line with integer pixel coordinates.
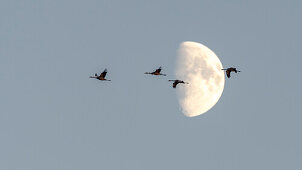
{"type": "Point", "coordinates": [200, 70]}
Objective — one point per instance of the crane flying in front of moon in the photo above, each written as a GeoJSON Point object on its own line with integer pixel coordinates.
{"type": "Point", "coordinates": [199, 66]}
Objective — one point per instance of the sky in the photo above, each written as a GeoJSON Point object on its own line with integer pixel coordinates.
{"type": "Point", "coordinates": [52, 116]}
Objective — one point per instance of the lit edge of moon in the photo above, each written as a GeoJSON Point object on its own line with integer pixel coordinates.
{"type": "Point", "coordinates": [201, 68]}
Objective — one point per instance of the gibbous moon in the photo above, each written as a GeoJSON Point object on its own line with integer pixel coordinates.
{"type": "Point", "coordinates": [201, 68]}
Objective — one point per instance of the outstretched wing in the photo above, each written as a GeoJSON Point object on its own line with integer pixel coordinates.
{"type": "Point", "coordinates": [228, 73]}
{"type": "Point", "coordinates": [103, 74]}
{"type": "Point", "coordinates": [158, 70]}
{"type": "Point", "coordinates": [175, 84]}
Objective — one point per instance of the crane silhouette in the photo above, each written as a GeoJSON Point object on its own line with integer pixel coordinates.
{"type": "Point", "coordinates": [101, 76]}
{"type": "Point", "coordinates": [229, 70]}
{"type": "Point", "coordinates": [156, 72]}
{"type": "Point", "coordinates": [175, 82]}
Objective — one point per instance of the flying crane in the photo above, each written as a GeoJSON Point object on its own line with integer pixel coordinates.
{"type": "Point", "coordinates": [156, 72]}
{"type": "Point", "coordinates": [175, 82]}
{"type": "Point", "coordinates": [101, 76]}
{"type": "Point", "coordinates": [229, 70]}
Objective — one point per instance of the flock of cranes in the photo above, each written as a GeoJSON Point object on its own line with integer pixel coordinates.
{"type": "Point", "coordinates": [157, 72]}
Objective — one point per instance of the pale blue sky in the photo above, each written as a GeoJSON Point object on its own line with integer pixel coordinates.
{"type": "Point", "coordinates": [52, 116]}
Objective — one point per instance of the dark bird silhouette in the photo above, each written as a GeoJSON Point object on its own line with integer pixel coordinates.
{"type": "Point", "coordinates": [156, 72]}
{"type": "Point", "coordinates": [175, 82]}
{"type": "Point", "coordinates": [229, 70]}
{"type": "Point", "coordinates": [100, 77]}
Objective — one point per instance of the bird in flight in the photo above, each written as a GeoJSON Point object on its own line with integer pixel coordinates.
{"type": "Point", "coordinates": [100, 77]}
{"type": "Point", "coordinates": [229, 70]}
{"type": "Point", "coordinates": [156, 72]}
{"type": "Point", "coordinates": [175, 82]}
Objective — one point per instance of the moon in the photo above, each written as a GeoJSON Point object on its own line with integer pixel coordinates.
{"type": "Point", "coordinates": [201, 68]}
